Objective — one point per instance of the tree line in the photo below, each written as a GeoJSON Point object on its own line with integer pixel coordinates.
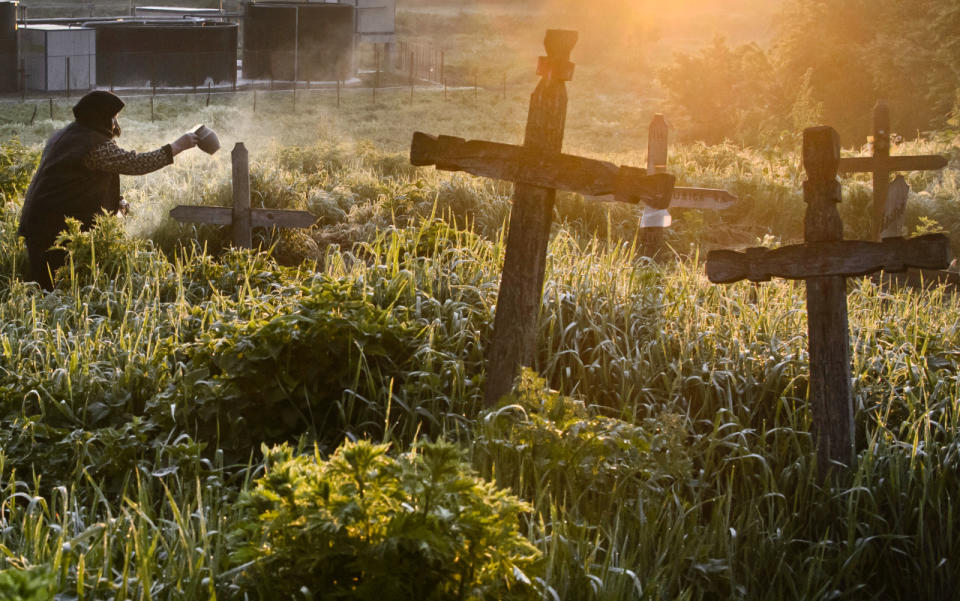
{"type": "Point", "coordinates": [829, 63]}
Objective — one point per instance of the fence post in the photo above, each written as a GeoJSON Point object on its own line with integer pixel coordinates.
{"type": "Point", "coordinates": [23, 81]}
{"type": "Point", "coordinates": [412, 67]}
{"type": "Point", "coordinates": [209, 89]}
{"type": "Point", "coordinates": [68, 77]}
{"type": "Point", "coordinates": [242, 236]}
{"type": "Point", "coordinates": [443, 77]}
{"type": "Point", "coordinates": [254, 100]}
{"type": "Point", "coordinates": [338, 92]}
{"type": "Point", "coordinates": [51, 108]}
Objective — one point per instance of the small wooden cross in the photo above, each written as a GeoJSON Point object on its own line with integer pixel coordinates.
{"type": "Point", "coordinates": [538, 169]}
{"type": "Point", "coordinates": [881, 164]}
{"type": "Point", "coordinates": [655, 220]}
{"type": "Point", "coordinates": [241, 217]}
{"type": "Point", "coordinates": [825, 261]}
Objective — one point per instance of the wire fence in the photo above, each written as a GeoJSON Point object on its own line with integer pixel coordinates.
{"type": "Point", "coordinates": [257, 96]}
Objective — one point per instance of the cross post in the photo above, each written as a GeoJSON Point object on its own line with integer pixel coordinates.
{"type": "Point", "coordinates": [538, 169]}
{"type": "Point", "coordinates": [881, 164]}
{"type": "Point", "coordinates": [240, 217]}
{"type": "Point", "coordinates": [654, 222]}
{"type": "Point", "coordinates": [825, 260]}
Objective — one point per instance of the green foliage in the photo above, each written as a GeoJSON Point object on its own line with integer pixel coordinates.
{"type": "Point", "coordinates": [829, 64]}
{"type": "Point", "coordinates": [725, 93]}
{"type": "Point", "coordinates": [98, 253]}
{"type": "Point", "coordinates": [284, 370]}
{"type": "Point", "coordinates": [590, 465]}
{"type": "Point", "coordinates": [37, 584]}
{"type": "Point", "coordinates": [17, 164]}
{"type": "Point", "coordinates": [365, 525]}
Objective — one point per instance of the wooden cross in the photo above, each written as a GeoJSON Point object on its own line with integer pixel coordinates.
{"type": "Point", "coordinates": [824, 261]}
{"type": "Point", "coordinates": [881, 164]}
{"type": "Point", "coordinates": [241, 217]}
{"type": "Point", "coordinates": [538, 169]}
{"type": "Point", "coordinates": [655, 220]}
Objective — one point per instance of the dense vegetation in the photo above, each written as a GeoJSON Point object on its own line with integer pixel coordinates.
{"type": "Point", "coordinates": [183, 421]}
{"type": "Point", "coordinates": [829, 63]}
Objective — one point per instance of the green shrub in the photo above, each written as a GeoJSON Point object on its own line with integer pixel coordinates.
{"type": "Point", "coordinates": [36, 584]}
{"type": "Point", "coordinates": [365, 525]}
{"type": "Point", "coordinates": [17, 163]}
{"type": "Point", "coordinates": [541, 442]}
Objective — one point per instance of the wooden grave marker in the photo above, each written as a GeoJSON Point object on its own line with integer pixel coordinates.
{"type": "Point", "coordinates": [824, 261]}
{"type": "Point", "coordinates": [654, 221]}
{"type": "Point", "coordinates": [881, 165]}
{"type": "Point", "coordinates": [538, 169]}
{"type": "Point", "coordinates": [241, 218]}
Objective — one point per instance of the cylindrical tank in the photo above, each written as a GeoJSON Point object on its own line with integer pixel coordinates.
{"type": "Point", "coordinates": [8, 20]}
{"type": "Point", "coordinates": [165, 53]}
{"type": "Point", "coordinates": [298, 40]}
{"type": "Point", "coordinates": [9, 69]}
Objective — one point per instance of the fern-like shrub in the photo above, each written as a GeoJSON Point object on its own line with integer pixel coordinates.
{"type": "Point", "coordinates": [365, 525]}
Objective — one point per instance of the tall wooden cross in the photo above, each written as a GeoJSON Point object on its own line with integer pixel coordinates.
{"type": "Point", "coordinates": [825, 260]}
{"type": "Point", "coordinates": [241, 218]}
{"type": "Point", "coordinates": [881, 164]}
{"type": "Point", "coordinates": [538, 169]}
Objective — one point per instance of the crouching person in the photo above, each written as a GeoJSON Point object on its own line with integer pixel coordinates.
{"type": "Point", "coordinates": [79, 177]}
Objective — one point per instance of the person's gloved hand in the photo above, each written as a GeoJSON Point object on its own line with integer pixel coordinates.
{"type": "Point", "coordinates": [184, 142]}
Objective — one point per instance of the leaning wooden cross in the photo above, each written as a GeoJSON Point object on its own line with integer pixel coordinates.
{"type": "Point", "coordinates": [825, 261]}
{"type": "Point", "coordinates": [881, 165]}
{"type": "Point", "coordinates": [538, 169]}
{"type": "Point", "coordinates": [241, 217]}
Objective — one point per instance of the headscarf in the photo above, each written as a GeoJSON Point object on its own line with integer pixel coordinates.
{"type": "Point", "coordinates": [97, 110]}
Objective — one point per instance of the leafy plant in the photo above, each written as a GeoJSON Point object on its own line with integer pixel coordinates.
{"type": "Point", "coordinates": [35, 584]}
{"type": "Point", "coordinates": [545, 444]}
{"type": "Point", "coordinates": [365, 525]}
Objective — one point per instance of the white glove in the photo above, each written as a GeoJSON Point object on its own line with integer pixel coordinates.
{"type": "Point", "coordinates": [187, 140]}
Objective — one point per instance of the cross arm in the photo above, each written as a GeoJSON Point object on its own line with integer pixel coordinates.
{"type": "Point", "coordinates": [894, 163]}
{"type": "Point", "coordinates": [258, 217]}
{"type": "Point", "coordinates": [544, 169]}
{"type": "Point", "coordinates": [834, 258]}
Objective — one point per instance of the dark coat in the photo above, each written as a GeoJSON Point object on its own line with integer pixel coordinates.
{"type": "Point", "coordinates": [62, 187]}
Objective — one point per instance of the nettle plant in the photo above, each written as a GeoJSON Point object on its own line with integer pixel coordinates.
{"type": "Point", "coordinates": [547, 445]}
{"type": "Point", "coordinates": [363, 524]}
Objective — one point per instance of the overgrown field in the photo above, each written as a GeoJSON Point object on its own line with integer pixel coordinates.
{"type": "Point", "coordinates": [183, 421]}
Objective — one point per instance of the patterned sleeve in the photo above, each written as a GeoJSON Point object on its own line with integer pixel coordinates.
{"type": "Point", "coordinates": [111, 158]}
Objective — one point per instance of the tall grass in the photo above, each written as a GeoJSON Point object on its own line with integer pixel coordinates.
{"type": "Point", "coordinates": [665, 451]}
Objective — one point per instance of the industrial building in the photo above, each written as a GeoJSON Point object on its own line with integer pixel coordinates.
{"type": "Point", "coordinates": [58, 58]}
{"type": "Point", "coordinates": [190, 47]}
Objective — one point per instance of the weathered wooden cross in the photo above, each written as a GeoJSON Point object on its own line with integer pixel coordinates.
{"type": "Point", "coordinates": [825, 260]}
{"type": "Point", "coordinates": [881, 164]}
{"type": "Point", "coordinates": [654, 221]}
{"type": "Point", "coordinates": [241, 218]}
{"type": "Point", "coordinates": [538, 169]}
